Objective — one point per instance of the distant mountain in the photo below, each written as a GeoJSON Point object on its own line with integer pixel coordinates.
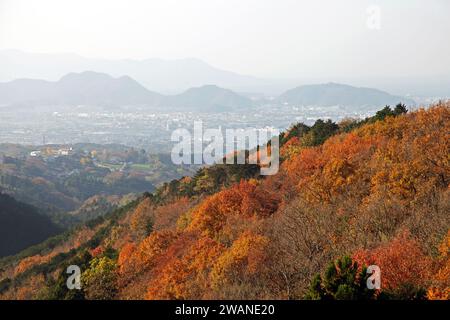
{"type": "Point", "coordinates": [332, 94]}
{"type": "Point", "coordinates": [90, 88]}
{"type": "Point", "coordinates": [99, 89]}
{"type": "Point", "coordinates": [209, 98]}
{"type": "Point", "coordinates": [21, 226]}
{"type": "Point", "coordinates": [167, 76]}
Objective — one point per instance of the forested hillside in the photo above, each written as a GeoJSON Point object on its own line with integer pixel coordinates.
{"type": "Point", "coordinates": [21, 226]}
{"type": "Point", "coordinates": [64, 186]}
{"type": "Point", "coordinates": [347, 195]}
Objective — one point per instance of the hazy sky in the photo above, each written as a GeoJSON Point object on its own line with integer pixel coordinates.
{"type": "Point", "coordinates": [266, 38]}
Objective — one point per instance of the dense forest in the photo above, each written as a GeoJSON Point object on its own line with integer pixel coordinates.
{"type": "Point", "coordinates": [347, 195]}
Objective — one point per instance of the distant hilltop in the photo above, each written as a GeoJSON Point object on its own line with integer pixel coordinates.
{"type": "Point", "coordinates": [332, 94]}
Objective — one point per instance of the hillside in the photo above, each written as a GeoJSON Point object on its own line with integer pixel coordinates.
{"type": "Point", "coordinates": [60, 184]}
{"type": "Point", "coordinates": [87, 182]}
{"type": "Point", "coordinates": [332, 94]}
{"type": "Point", "coordinates": [21, 226]}
{"type": "Point", "coordinates": [347, 195]}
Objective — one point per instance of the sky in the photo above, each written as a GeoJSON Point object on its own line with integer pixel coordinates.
{"type": "Point", "coordinates": [264, 38]}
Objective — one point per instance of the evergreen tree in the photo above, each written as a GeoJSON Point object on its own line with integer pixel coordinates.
{"type": "Point", "coordinates": [399, 109]}
{"type": "Point", "coordinates": [343, 280]}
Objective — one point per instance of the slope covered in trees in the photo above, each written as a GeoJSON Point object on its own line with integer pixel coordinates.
{"type": "Point", "coordinates": [21, 226]}
{"type": "Point", "coordinates": [347, 195]}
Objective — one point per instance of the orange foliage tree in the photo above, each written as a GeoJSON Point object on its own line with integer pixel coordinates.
{"type": "Point", "coordinates": [185, 275]}
{"type": "Point", "coordinates": [134, 260]}
{"type": "Point", "coordinates": [141, 221]}
{"type": "Point", "coordinates": [440, 290]}
{"type": "Point", "coordinates": [247, 199]}
{"type": "Point", "coordinates": [241, 264]}
{"type": "Point", "coordinates": [401, 261]}
{"type": "Point", "coordinates": [166, 216]}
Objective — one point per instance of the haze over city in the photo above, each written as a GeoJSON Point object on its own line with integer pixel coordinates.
{"type": "Point", "coordinates": [287, 42]}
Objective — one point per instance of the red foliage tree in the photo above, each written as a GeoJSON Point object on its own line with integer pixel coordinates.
{"type": "Point", "coordinates": [401, 261]}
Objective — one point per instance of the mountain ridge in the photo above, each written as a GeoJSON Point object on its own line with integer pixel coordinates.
{"type": "Point", "coordinates": [94, 88]}
{"type": "Point", "coordinates": [332, 94]}
{"type": "Point", "coordinates": [101, 89]}
{"type": "Point", "coordinates": [167, 76]}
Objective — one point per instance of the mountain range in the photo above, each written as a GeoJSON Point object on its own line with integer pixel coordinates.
{"type": "Point", "coordinates": [177, 75]}
{"type": "Point", "coordinates": [93, 88]}
{"type": "Point", "coordinates": [99, 89]}
{"type": "Point", "coordinates": [166, 76]}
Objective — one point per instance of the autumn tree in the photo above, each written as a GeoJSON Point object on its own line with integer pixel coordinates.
{"type": "Point", "coordinates": [247, 200]}
{"type": "Point", "coordinates": [135, 261]}
{"type": "Point", "coordinates": [32, 288]}
{"type": "Point", "coordinates": [405, 269]}
{"type": "Point", "coordinates": [440, 289]}
{"type": "Point", "coordinates": [186, 276]}
{"type": "Point", "coordinates": [238, 271]}
{"type": "Point", "coordinates": [166, 216]}
{"type": "Point", "coordinates": [304, 237]}
{"type": "Point", "coordinates": [99, 281]}
{"type": "Point", "coordinates": [142, 219]}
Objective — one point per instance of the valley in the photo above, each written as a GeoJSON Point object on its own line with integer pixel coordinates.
{"type": "Point", "coordinates": [75, 183]}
